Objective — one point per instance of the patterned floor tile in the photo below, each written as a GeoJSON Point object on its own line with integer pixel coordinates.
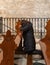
{"type": "Point", "coordinates": [21, 60]}
{"type": "Point", "coordinates": [36, 63]}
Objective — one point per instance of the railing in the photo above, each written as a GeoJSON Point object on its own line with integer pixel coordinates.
{"type": "Point", "coordinates": [38, 25]}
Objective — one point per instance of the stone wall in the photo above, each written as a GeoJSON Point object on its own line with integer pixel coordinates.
{"type": "Point", "coordinates": [25, 8]}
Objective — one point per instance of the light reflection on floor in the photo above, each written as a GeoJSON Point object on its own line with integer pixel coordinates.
{"type": "Point", "coordinates": [21, 60]}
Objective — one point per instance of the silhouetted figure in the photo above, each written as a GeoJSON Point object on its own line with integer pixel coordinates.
{"type": "Point", "coordinates": [8, 47]}
{"type": "Point", "coordinates": [45, 44]}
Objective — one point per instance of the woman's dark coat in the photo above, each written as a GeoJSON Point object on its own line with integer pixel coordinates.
{"type": "Point", "coordinates": [28, 36]}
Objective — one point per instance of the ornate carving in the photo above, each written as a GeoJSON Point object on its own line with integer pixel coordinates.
{"type": "Point", "coordinates": [8, 47]}
{"type": "Point", "coordinates": [45, 45]}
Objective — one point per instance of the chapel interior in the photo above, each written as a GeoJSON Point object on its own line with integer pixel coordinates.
{"type": "Point", "coordinates": [35, 11]}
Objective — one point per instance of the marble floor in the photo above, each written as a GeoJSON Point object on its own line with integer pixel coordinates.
{"type": "Point", "coordinates": [21, 60]}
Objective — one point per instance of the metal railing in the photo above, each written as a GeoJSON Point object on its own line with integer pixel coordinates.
{"type": "Point", "coordinates": [38, 25]}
